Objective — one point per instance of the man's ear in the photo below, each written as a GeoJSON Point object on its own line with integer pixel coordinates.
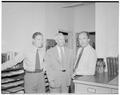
{"type": "Point", "coordinates": [88, 40]}
{"type": "Point", "coordinates": [33, 41]}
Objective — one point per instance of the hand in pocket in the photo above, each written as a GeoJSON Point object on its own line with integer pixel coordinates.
{"type": "Point", "coordinates": [55, 83]}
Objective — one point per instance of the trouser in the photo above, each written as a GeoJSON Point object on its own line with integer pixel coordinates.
{"type": "Point", "coordinates": [61, 89]}
{"type": "Point", "coordinates": [72, 87]}
{"type": "Point", "coordinates": [34, 82]}
{"type": "Point", "coordinates": [62, 82]}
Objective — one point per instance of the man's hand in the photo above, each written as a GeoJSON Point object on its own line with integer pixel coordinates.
{"type": "Point", "coordinates": [55, 83]}
{"type": "Point", "coordinates": [8, 64]}
{"type": "Point", "coordinates": [73, 76]}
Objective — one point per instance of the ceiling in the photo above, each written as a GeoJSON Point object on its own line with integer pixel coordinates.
{"type": "Point", "coordinates": [73, 4]}
{"type": "Point", "coordinates": [77, 4]}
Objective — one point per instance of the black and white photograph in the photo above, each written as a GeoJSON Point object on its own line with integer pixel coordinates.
{"type": "Point", "coordinates": [60, 47]}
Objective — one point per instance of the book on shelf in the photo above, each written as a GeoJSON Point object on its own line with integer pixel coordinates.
{"type": "Point", "coordinates": [108, 65]}
{"type": "Point", "coordinates": [4, 57]}
{"type": "Point", "coordinates": [112, 66]}
{"type": "Point", "coordinates": [8, 56]}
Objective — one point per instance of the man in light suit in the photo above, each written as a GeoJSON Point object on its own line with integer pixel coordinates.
{"type": "Point", "coordinates": [59, 66]}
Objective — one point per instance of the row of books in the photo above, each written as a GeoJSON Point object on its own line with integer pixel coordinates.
{"type": "Point", "coordinates": [8, 56]}
{"type": "Point", "coordinates": [112, 66]}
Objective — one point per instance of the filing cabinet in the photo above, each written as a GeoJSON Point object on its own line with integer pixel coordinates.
{"type": "Point", "coordinates": [90, 89]}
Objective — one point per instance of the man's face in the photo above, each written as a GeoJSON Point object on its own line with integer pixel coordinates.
{"type": "Point", "coordinates": [38, 41]}
{"type": "Point", "coordinates": [60, 40]}
{"type": "Point", "coordinates": [83, 39]}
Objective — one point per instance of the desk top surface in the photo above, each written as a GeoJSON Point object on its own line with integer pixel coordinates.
{"type": "Point", "coordinates": [102, 79]}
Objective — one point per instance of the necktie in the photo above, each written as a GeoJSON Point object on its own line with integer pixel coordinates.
{"type": "Point", "coordinates": [37, 65]}
{"type": "Point", "coordinates": [78, 59]}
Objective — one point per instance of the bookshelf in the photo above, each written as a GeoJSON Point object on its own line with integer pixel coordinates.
{"type": "Point", "coordinates": [12, 79]}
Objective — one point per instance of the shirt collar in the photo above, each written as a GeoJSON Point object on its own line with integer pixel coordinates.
{"type": "Point", "coordinates": [86, 46]}
{"type": "Point", "coordinates": [59, 46]}
{"type": "Point", "coordinates": [39, 49]}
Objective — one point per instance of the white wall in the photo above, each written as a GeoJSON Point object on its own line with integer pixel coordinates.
{"type": "Point", "coordinates": [58, 18]}
{"type": "Point", "coordinates": [107, 29]}
{"type": "Point", "coordinates": [21, 20]}
{"type": "Point", "coordinates": [84, 18]}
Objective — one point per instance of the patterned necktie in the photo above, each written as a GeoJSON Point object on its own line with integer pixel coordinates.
{"type": "Point", "coordinates": [79, 57]}
{"type": "Point", "coordinates": [37, 65]}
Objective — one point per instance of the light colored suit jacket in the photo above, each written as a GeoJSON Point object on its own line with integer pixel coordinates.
{"type": "Point", "coordinates": [53, 67]}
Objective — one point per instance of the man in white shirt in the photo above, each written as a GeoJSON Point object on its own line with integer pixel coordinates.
{"type": "Point", "coordinates": [32, 58]}
{"type": "Point", "coordinates": [86, 56]}
{"type": "Point", "coordinates": [59, 66]}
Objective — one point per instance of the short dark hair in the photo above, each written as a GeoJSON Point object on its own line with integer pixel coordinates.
{"type": "Point", "coordinates": [35, 34]}
{"type": "Point", "coordinates": [87, 33]}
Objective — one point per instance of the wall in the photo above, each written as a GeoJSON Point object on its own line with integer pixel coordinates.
{"type": "Point", "coordinates": [58, 18]}
{"type": "Point", "coordinates": [21, 20]}
{"type": "Point", "coordinates": [107, 29]}
{"type": "Point", "coordinates": [84, 18]}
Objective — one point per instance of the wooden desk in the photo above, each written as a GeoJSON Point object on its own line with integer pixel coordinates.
{"type": "Point", "coordinates": [100, 83]}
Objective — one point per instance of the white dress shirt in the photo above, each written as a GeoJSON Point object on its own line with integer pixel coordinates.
{"type": "Point", "coordinates": [28, 56]}
{"type": "Point", "coordinates": [60, 52]}
{"type": "Point", "coordinates": [87, 62]}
